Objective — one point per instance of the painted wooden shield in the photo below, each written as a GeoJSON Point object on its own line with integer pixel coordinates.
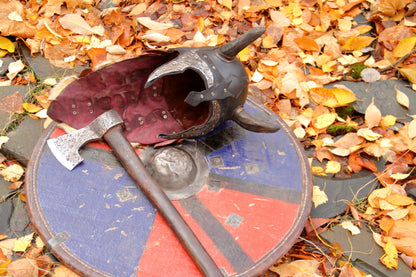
{"type": "Point", "coordinates": [245, 195]}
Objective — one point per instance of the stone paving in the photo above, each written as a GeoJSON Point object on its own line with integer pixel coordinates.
{"type": "Point", "coordinates": [15, 222]}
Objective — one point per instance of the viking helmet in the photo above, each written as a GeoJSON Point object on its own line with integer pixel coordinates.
{"type": "Point", "coordinates": [162, 95]}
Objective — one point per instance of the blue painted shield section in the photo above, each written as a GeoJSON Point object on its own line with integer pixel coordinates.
{"type": "Point", "coordinates": [269, 159]}
{"type": "Point", "coordinates": [121, 216]}
{"type": "Point", "coordinates": [265, 159]}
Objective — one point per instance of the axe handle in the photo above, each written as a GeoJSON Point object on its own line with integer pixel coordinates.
{"type": "Point", "coordinates": [135, 167]}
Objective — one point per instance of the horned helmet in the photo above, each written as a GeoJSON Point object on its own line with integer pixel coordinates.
{"type": "Point", "coordinates": [166, 95]}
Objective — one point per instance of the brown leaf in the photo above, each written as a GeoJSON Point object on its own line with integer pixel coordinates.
{"type": "Point", "coordinates": [11, 27]}
{"type": "Point", "coordinates": [23, 268]}
{"type": "Point", "coordinates": [62, 271]}
{"type": "Point", "coordinates": [12, 103]}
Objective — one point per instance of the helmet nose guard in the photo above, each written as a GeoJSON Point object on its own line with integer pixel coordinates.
{"type": "Point", "coordinates": [162, 95]}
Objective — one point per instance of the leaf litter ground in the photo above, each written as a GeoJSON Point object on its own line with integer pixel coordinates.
{"type": "Point", "coordinates": [307, 45]}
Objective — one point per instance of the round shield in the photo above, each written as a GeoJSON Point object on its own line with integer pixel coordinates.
{"type": "Point", "coordinates": [245, 195]}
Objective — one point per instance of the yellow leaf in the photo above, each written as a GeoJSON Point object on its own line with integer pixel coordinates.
{"type": "Point", "coordinates": [372, 115]}
{"type": "Point", "coordinates": [319, 196]}
{"type": "Point", "coordinates": [398, 199]}
{"type": "Point", "coordinates": [21, 244]}
{"type": "Point", "coordinates": [389, 120]}
{"type": "Point", "coordinates": [356, 43]}
{"type": "Point", "coordinates": [348, 225]}
{"type": "Point", "coordinates": [6, 44]}
{"type": "Point", "coordinates": [390, 257]}
{"type": "Point", "coordinates": [399, 176]}
{"type": "Point", "coordinates": [325, 120]}
{"type": "Point", "coordinates": [332, 167]}
{"type": "Point", "coordinates": [244, 54]}
{"type": "Point", "coordinates": [31, 108]}
{"type": "Point", "coordinates": [410, 74]}
{"type": "Point", "coordinates": [368, 134]}
{"type": "Point", "coordinates": [317, 170]}
{"type": "Point", "coordinates": [404, 47]}
{"type": "Point", "coordinates": [402, 98]}
{"type": "Point", "coordinates": [411, 131]}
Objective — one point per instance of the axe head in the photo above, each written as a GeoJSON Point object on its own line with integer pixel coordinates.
{"type": "Point", "coordinates": [65, 148]}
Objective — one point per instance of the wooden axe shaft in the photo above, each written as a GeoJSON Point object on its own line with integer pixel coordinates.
{"type": "Point", "coordinates": [135, 167]}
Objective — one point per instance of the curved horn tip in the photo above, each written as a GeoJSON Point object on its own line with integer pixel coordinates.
{"type": "Point", "coordinates": [232, 48]}
{"type": "Point", "coordinates": [249, 122]}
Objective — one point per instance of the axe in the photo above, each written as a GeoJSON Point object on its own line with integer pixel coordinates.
{"type": "Point", "coordinates": [109, 126]}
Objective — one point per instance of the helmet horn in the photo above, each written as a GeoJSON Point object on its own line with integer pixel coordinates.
{"type": "Point", "coordinates": [247, 121]}
{"type": "Point", "coordinates": [232, 48]}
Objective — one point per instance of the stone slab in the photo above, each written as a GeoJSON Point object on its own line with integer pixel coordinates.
{"type": "Point", "coordinates": [384, 95]}
{"type": "Point", "coordinates": [363, 252]}
{"type": "Point", "coordinates": [22, 140]}
{"type": "Point", "coordinates": [7, 118]}
{"type": "Point", "coordinates": [341, 191]}
{"type": "Point", "coordinates": [43, 69]}
{"type": "Point", "coordinates": [14, 218]}
{"type": "Point", "coordinates": [5, 192]}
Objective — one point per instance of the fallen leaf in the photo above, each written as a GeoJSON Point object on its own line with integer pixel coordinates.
{"type": "Point", "coordinates": [404, 47]}
{"type": "Point", "coordinates": [324, 120]}
{"type": "Point", "coordinates": [368, 134]}
{"type": "Point", "coordinates": [340, 151]}
{"type": "Point", "coordinates": [156, 37]}
{"type": "Point", "coordinates": [370, 75]}
{"type": "Point", "coordinates": [372, 115]}
{"type": "Point", "coordinates": [6, 44]}
{"type": "Point", "coordinates": [390, 258]}
{"type": "Point", "coordinates": [153, 25]}
{"type": "Point", "coordinates": [397, 214]}
{"type": "Point", "coordinates": [23, 268]}
{"type": "Point", "coordinates": [22, 243]}
{"type": "Point", "coordinates": [296, 268]}
{"type": "Point", "coordinates": [410, 73]}
{"type": "Point", "coordinates": [12, 173]}
{"type": "Point", "coordinates": [14, 69]}
{"type": "Point", "coordinates": [3, 266]}
{"type": "Point", "coordinates": [389, 120]}
{"type": "Point", "coordinates": [357, 43]}
{"type": "Point", "coordinates": [399, 176]}
{"type": "Point", "coordinates": [332, 167]}
{"type": "Point", "coordinates": [76, 24]}
{"type": "Point", "coordinates": [348, 225]}
{"type": "Point", "coordinates": [333, 97]}
{"type": "Point", "coordinates": [377, 194]}
{"type": "Point", "coordinates": [63, 271]}
{"type": "Point", "coordinates": [411, 130]}
{"type": "Point", "coordinates": [402, 98]}
{"type": "Point", "coordinates": [319, 196]}
{"type": "Point", "coordinates": [31, 108]}
{"type": "Point", "coordinates": [307, 44]}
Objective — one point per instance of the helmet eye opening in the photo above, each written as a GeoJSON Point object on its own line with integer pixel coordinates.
{"type": "Point", "coordinates": [176, 89]}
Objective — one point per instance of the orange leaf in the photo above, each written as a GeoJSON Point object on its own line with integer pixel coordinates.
{"type": "Point", "coordinates": [386, 223]}
{"type": "Point", "coordinates": [306, 43]}
{"type": "Point", "coordinates": [354, 162]}
{"type": "Point", "coordinates": [399, 200]}
{"type": "Point", "coordinates": [372, 115]}
{"type": "Point", "coordinates": [356, 43]}
{"type": "Point", "coordinates": [4, 265]}
{"type": "Point", "coordinates": [31, 108]}
{"type": "Point", "coordinates": [333, 97]}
